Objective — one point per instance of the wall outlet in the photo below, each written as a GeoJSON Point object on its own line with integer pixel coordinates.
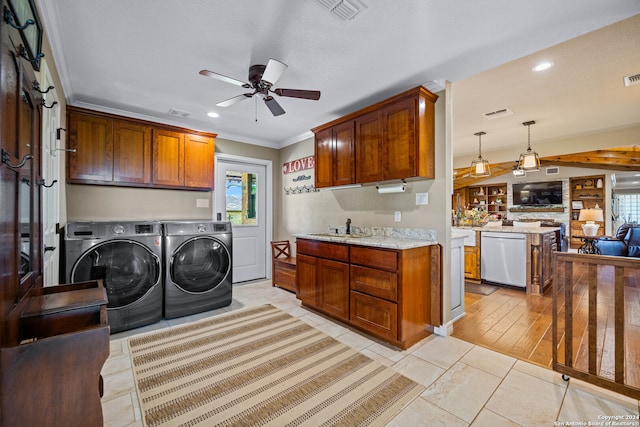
{"type": "Point", "coordinates": [202, 203]}
{"type": "Point", "coordinates": [422, 199]}
{"type": "Point", "coordinates": [398, 216]}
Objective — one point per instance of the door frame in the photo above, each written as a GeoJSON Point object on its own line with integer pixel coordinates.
{"type": "Point", "coordinates": [268, 164]}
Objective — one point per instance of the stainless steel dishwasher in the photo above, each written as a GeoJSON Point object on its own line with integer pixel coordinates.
{"type": "Point", "coordinates": [503, 258]}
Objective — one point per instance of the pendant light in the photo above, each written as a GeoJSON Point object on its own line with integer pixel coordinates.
{"type": "Point", "coordinates": [480, 167]}
{"type": "Point", "coordinates": [529, 160]}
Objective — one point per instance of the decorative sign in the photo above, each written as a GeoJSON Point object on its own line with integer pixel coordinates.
{"type": "Point", "coordinates": [299, 165]}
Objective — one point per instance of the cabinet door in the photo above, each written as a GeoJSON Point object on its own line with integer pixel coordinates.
{"type": "Point", "coordinates": [375, 315]}
{"type": "Point", "coordinates": [333, 286]}
{"type": "Point", "coordinates": [131, 153]}
{"type": "Point", "coordinates": [324, 158]}
{"type": "Point", "coordinates": [198, 160]}
{"type": "Point", "coordinates": [343, 156]}
{"type": "Point", "coordinates": [471, 262]}
{"type": "Point", "coordinates": [399, 139]}
{"type": "Point", "coordinates": [92, 139]}
{"type": "Point", "coordinates": [306, 267]}
{"type": "Point", "coordinates": [369, 148]}
{"type": "Point", "coordinates": [168, 158]}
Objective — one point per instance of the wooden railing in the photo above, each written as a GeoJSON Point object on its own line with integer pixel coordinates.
{"type": "Point", "coordinates": [596, 329]}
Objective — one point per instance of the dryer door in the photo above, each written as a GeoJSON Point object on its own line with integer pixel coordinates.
{"type": "Point", "coordinates": [200, 264]}
{"type": "Point", "coordinates": [129, 270]}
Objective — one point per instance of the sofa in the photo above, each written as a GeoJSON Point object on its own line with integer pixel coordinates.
{"type": "Point", "coordinates": [561, 238]}
{"type": "Point", "coordinates": [626, 242]}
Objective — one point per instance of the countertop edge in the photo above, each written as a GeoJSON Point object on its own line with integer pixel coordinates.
{"type": "Point", "coordinates": [378, 242]}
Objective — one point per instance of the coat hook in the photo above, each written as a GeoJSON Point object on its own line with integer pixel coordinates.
{"type": "Point", "coordinates": [44, 103]}
{"type": "Point", "coordinates": [6, 159]}
{"type": "Point", "coordinates": [42, 183]}
{"type": "Point", "coordinates": [8, 17]}
{"type": "Point", "coordinates": [36, 86]}
{"type": "Point", "coordinates": [23, 53]}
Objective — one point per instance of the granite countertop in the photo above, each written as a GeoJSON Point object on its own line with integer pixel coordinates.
{"type": "Point", "coordinates": [375, 241]}
{"type": "Point", "coordinates": [511, 229]}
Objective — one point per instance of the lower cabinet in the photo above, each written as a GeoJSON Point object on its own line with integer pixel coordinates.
{"type": "Point", "coordinates": [472, 262]}
{"type": "Point", "coordinates": [384, 292]}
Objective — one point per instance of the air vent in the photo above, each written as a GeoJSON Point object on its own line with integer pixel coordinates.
{"type": "Point", "coordinates": [343, 9]}
{"type": "Point", "coordinates": [174, 112]}
{"type": "Point", "coordinates": [553, 171]}
{"type": "Point", "coordinates": [498, 113]}
{"type": "Point", "coordinates": [435, 86]}
{"type": "Point", "coordinates": [632, 80]}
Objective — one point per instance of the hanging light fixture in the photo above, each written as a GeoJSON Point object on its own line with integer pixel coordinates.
{"type": "Point", "coordinates": [529, 160]}
{"type": "Point", "coordinates": [480, 167]}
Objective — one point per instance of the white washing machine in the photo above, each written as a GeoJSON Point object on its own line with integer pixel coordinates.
{"type": "Point", "coordinates": [127, 256]}
{"type": "Point", "coordinates": [197, 267]}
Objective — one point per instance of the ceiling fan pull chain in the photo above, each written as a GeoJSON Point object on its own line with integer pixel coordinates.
{"type": "Point", "coordinates": [256, 104]}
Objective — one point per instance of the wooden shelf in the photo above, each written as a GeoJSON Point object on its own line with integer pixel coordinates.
{"type": "Point", "coordinates": [584, 189]}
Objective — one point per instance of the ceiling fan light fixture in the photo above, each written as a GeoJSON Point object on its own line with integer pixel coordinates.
{"type": "Point", "coordinates": [480, 167]}
{"type": "Point", "coordinates": [529, 160]}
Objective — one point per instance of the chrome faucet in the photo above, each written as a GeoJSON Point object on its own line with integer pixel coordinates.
{"type": "Point", "coordinates": [348, 225]}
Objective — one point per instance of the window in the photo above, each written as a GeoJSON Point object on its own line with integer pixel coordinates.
{"type": "Point", "coordinates": [241, 198]}
{"type": "Point", "coordinates": [629, 207]}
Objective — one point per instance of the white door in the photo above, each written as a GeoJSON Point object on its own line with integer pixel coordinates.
{"type": "Point", "coordinates": [243, 197]}
{"type": "Point", "coordinates": [51, 175]}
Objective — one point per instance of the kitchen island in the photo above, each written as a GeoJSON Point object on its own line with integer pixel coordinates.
{"type": "Point", "coordinates": [537, 254]}
{"type": "Point", "coordinates": [387, 286]}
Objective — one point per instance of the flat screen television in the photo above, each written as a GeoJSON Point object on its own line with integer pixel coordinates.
{"type": "Point", "coordinates": [537, 193]}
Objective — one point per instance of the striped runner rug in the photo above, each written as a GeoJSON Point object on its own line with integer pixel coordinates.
{"type": "Point", "coordinates": [261, 367]}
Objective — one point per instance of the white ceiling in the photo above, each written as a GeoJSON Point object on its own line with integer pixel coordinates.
{"type": "Point", "coordinates": [141, 58]}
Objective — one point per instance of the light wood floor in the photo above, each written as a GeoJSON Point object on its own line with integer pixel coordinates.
{"type": "Point", "coordinates": [520, 325]}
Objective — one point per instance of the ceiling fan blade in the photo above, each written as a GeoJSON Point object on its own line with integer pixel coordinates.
{"type": "Point", "coordinates": [275, 69]}
{"type": "Point", "coordinates": [299, 93]}
{"type": "Point", "coordinates": [234, 100]}
{"type": "Point", "coordinates": [273, 105]}
{"type": "Point", "coordinates": [224, 78]}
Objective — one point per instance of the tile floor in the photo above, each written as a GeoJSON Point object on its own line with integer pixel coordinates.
{"type": "Point", "coordinates": [467, 385]}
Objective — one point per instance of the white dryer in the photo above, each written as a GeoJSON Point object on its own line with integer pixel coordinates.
{"type": "Point", "coordinates": [197, 267]}
{"type": "Point", "coordinates": [127, 256]}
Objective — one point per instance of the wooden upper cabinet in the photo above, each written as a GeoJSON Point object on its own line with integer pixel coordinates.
{"type": "Point", "coordinates": [131, 153]}
{"type": "Point", "coordinates": [324, 158]}
{"type": "Point", "coordinates": [393, 139]}
{"type": "Point", "coordinates": [168, 158]}
{"type": "Point", "coordinates": [343, 155]}
{"type": "Point", "coordinates": [198, 159]}
{"type": "Point", "coordinates": [369, 148]}
{"type": "Point", "coordinates": [334, 152]}
{"type": "Point", "coordinates": [115, 150]}
{"type": "Point", "coordinates": [92, 139]}
{"type": "Point", "coordinates": [399, 136]}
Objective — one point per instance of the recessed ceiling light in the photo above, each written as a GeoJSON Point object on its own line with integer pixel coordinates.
{"type": "Point", "coordinates": [213, 114]}
{"type": "Point", "coordinates": [542, 66]}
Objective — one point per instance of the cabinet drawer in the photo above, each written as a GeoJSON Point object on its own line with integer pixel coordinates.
{"type": "Point", "coordinates": [376, 258]}
{"type": "Point", "coordinates": [320, 249]}
{"type": "Point", "coordinates": [378, 283]}
{"type": "Point", "coordinates": [375, 315]}
{"type": "Point", "coordinates": [285, 276]}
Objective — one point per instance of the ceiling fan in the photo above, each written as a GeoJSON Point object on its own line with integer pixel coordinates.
{"type": "Point", "coordinates": [261, 79]}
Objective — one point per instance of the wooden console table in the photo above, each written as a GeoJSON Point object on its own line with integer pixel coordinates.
{"type": "Point", "coordinates": [52, 377]}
